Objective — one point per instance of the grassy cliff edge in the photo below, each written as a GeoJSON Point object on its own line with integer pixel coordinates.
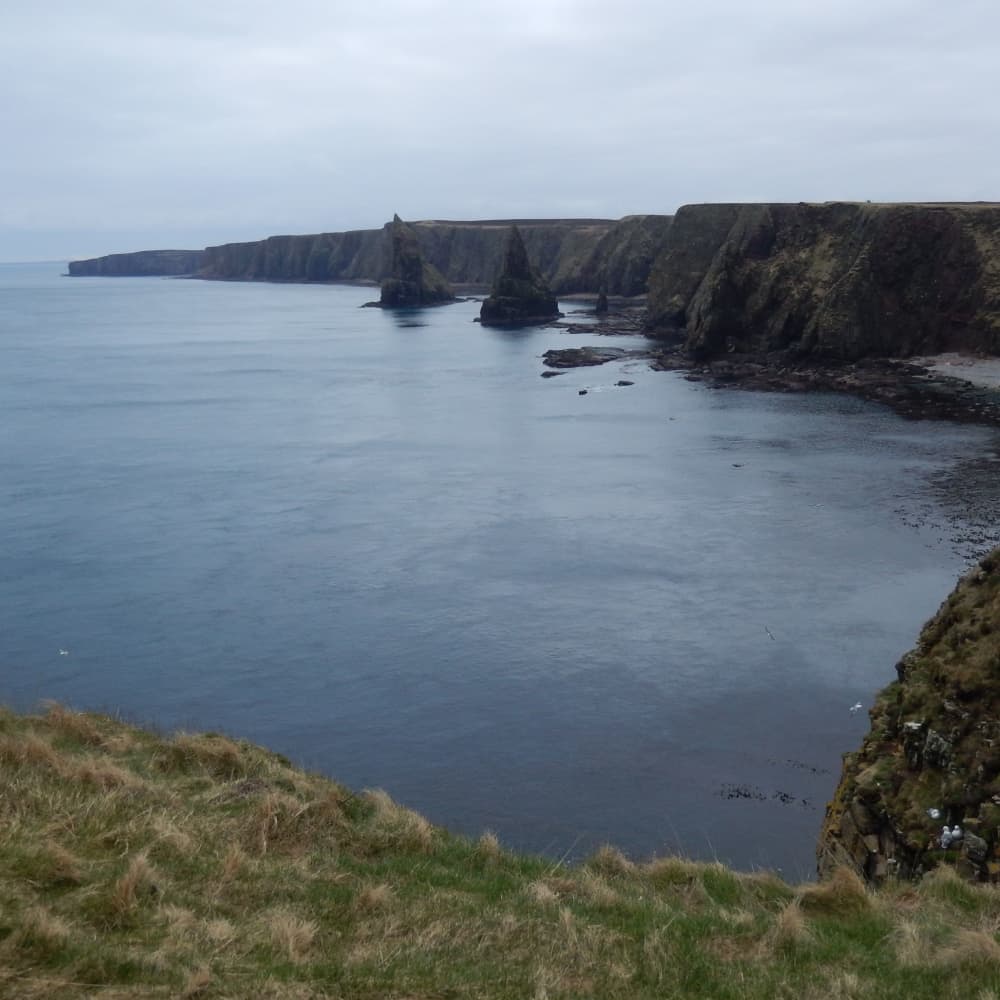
{"type": "Point", "coordinates": [200, 866]}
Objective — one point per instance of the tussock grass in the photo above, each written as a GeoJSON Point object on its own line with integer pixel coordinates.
{"type": "Point", "coordinates": [843, 893]}
{"type": "Point", "coordinates": [200, 866]}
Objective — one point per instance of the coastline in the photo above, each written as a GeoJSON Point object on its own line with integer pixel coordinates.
{"type": "Point", "coordinates": [912, 389]}
{"type": "Point", "coordinates": [963, 388]}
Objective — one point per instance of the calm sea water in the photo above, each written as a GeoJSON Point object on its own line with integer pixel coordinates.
{"type": "Point", "coordinates": [382, 545]}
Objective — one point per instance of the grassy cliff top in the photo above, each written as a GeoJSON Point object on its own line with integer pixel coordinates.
{"type": "Point", "coordinates": [133, 865]}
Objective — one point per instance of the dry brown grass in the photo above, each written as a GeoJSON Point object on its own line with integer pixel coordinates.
{"type": "Point", "coordinates": [790, 930]}
{"type": "Point", "coordinates": [542, 893]}
{"type": "Point", "coordinates": [58, 866]}
{"type": "Point", "coordinates": [197, 983]}
{"type": "Point", "coordinates": [235, 863]}
{"type": "Point", "coordinates": [488, 847]}
{"type": "Point", "coordinates": [609, 860]}
{"type": "Point", "coordinates": [128, 892]}
{"type": "Point", "coordinates": [41, 934]}
{"type": "Point", "coordinates": [102, 775]}
{"type": "Point", "coordinates": [672, 871]}
{"type": "Point", "coordinates": [972, 947]}
{"type": "Point", "coordinates": [74, 725]}
{"type": "Point", "coordinates": [374, 898]}
{"type": "Point", "coordinates": [397, 828]}
{"type": "Point", "coordinates": [843, 893]}
{"type": "Point", "coordinates": [28, 749]}
{"type": "Point", "coordinates": [219, 756]}
{"type": "Point", "coordinates": [291, 935]}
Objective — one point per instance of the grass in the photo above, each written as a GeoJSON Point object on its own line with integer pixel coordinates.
{"type": "Point", "coordinates": [200, 866]}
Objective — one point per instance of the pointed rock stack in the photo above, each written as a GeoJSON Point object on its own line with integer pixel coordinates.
{"type": "Point", "coordinates": [412, 281]}
{"type": "Point", "coordinates": [520, 294]}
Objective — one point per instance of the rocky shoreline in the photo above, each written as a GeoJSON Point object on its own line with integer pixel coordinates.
{"type": "Point", "coordinates": [917, 388]}
{"type": "Point", "coordinates": [910, 389]}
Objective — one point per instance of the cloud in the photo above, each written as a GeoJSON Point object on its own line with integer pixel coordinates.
{"type": "Point", "coordinates": [211, 122]}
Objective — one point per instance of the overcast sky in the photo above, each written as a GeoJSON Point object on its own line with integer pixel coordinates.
{"type": "Point", "coordinates": [129, 126]}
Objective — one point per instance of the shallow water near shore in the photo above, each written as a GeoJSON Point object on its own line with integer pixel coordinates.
{"type": "Point", "coordinates": [383, 546]}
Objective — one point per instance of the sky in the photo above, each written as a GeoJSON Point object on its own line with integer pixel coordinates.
{"type": "Point", "coordinates": [129, 126]}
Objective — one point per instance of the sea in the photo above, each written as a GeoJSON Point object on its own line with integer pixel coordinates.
{"type": "Point", "coordinates": [652, 615]}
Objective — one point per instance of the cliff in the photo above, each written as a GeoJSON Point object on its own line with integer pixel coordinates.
{"type": "Point", "coordinates": [144, 263]}
{"type": "Point", "coordinates": [411, 281]}
{"type": "Point", "coordinates": [837, 280]}
{"type": "Point", "coordinates": [466, 253]}
{"type": "Point", "coordinates": [356, 255]}
{"type": "Point", "coordinates": [573, 255]}
{"type": "Point", "coordinates": [932, 755]}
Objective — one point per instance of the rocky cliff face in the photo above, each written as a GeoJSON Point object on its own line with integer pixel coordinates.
{"type": "Point", "coordinates": [144, 263]}
{"type": "Point", "coordinates": [466, 253]}
{"type": "Point", "coordinates": [411, 281]}
{"type": "Point", "coordinates": [356, 255]}
{"type": "Point", "coordinates": [839, 280]}
{"type": "Point", "coordinates": [573, 255]}
{"type": "Point", "coordinates": [621, 261]}
{"type": "Point", "coordinates": [932, 755]}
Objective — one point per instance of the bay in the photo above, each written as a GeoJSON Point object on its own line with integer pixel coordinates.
{"type": "Point", "coordinates": [382, 545]}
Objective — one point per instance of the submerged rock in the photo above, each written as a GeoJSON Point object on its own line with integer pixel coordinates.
{"type": "Point", "coordinates": [520, 295]}
{"type": "Point", "coordinates": [412, 281]}
{"type": "Point", "coordinates": [932, 753]}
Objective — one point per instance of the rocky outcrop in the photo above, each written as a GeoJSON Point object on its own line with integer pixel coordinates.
{"type": "Point", "coordinates": [932, 755]}
{"type": "Point", "coordinates": [411, 281]}
{"type": "Point", "coordinates": [838, 280]}
{"type": "Point", "coordinates": [143, 263]}
{"type": "Point", "coordinates": [520, 294]}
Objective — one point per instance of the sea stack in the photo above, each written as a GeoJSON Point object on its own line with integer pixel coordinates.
{"type": "Point", "coordinates": [412, 281]}
{"type": "Point", "coordinates": [520, 294]}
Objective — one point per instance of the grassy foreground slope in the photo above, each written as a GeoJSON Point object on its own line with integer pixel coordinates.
{"type": "Point", "coordinates": [196, 866]}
